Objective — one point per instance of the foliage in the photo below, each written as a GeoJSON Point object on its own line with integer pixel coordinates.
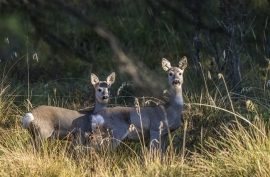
{"type": "Point", "coordinates": [146, 29]}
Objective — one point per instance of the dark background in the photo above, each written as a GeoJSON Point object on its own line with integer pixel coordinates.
{"type": "Point", "coordinates": [53, 41]}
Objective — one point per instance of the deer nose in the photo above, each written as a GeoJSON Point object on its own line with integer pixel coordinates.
{"type": "Point", "coordinates": [176, 82]}
{"type": "Point", "coordinates": [105, 97]}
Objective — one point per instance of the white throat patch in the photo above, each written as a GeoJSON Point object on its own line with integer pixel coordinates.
{"type": "Point", "coordinates": [98, 119]}
{"type": "Point", "coordinates": [179, 100]}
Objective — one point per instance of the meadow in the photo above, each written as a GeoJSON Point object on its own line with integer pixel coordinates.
{"type": "Point", "coordinates": [225, 123]}
{"type": "Point", "coordinates": [218, 137]}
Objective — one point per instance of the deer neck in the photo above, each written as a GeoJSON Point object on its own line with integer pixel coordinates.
{"type": "Point", "coordinates": [176, 97]}
{"type": "Point", "coordinates": [99, 106]}
{"type": "Point", "coordinates": [174, 108]}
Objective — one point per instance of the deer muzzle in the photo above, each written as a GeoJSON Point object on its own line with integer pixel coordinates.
{"type": "Point", "coordinates": [105, 97]}
{"type": "Point", "coordinates": [176, 82]}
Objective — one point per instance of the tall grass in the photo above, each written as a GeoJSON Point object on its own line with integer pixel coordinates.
{"type": "Point", "coordinates": [239, 151]}
{"type": "Point", "coordinates": [219, 136]}
{"type": "Point", "coordinates": [225, 147]}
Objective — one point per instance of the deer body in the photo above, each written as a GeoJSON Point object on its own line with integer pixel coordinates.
{"type": "Point", "coordinates": [153, 122]}
{"type": "Point", "coordinates": [54, 122]}
{"type": "Point", "coordinates": [46, 122]}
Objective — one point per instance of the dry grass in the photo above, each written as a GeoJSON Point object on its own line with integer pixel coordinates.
{"type": "Point", "coordinates": [232, 139]}
{"type": "Point", "coordinates": [239, 151]}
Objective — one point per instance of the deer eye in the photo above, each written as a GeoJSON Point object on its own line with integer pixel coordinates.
{"type": "Point", "coordinates": [180, 74]}
{"type": "Point", "coordinates": [170, 74]}
{"type": "Point", "coordinates": [99, 90]}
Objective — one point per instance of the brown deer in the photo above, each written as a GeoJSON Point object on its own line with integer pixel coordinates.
{"type": "Point", "coordinates": [46, 122]}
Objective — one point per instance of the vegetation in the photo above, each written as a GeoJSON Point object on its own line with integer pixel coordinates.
{"type": "Point", "coordinates": [49, 48]}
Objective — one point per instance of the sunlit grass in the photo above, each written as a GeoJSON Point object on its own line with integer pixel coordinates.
{"type": "Point", "coordinates": [239, 151]}
{"type": "Point", "coordinates": [219, 137]}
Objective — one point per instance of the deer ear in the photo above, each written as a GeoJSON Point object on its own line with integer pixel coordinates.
{"type": "Point", "coordinates": [166, 65]}
{"type": "Point", "coordinates": [183, 63]}
{"type": "Point", "coordinates": [94, 79]}
{"type": "Point", "coordinates": [111, 78]}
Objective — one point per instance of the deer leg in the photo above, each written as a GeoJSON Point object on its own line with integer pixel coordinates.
{"type": "Point", "coordinates": [154, 141]}
{"type": "Point", "coordinates": [38, 141]}
{"type": "Point", "coordinates": [36, 137]}
{"type": "Point", "coordinates": [157, 145]}
{"type": "Point", "coordinates": [162, 147]}
{"type": "Point", "coordinates": [117, 135]}
{"type": "Point", "coordinates": [80, 136]}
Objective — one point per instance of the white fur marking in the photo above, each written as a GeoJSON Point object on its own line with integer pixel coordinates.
{"type": "Point", "coordinates": [100, 119]}
{"type": "Point", "coordinates": [179, 100]}
{"type": "Point", "coordinates": [28, 117]}
{"type": "Point", "coordinates": [97, 120]}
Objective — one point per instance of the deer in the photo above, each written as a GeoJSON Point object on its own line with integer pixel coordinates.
{"type": "Point", "coordinates": [53, 122]}
{"type": "Point", "coordinates": [150, 122]}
